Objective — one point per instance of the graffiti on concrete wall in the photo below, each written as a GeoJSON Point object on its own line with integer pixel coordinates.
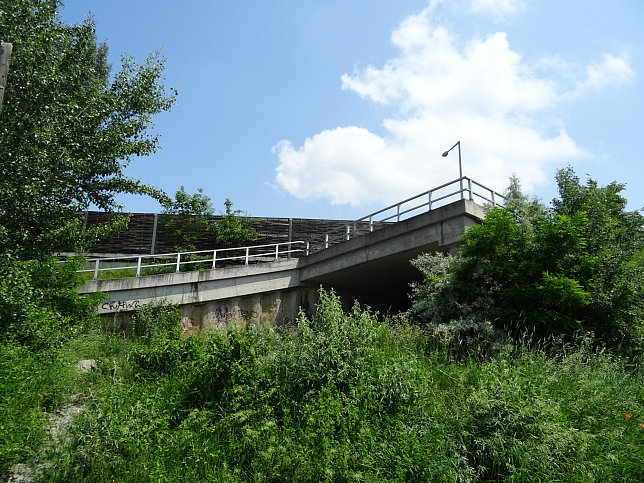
{"type": "Point", "coordinates": [187, 324]}
{"type": "Point", "coordinates": [119, 305]}
{"type": "Point", "coordinates": [223, 314]}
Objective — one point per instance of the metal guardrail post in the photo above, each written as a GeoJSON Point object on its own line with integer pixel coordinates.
{"type": "Point", "coordinates": [246, 259]}
{"type": "Point", "coordinates": [214, 258]}
{"type": "Point", "coordinates": [326, 240]}
{"type": "Point", "coordinates": [307, 248]}
{"type": "Point", "coordinates": [96, 268]}
{"type": "Point", "coordinates": [469, 187]}
{"type": "Point", "coordinates": [290, 236]}
{"type": "Point", "coordinates": [371, 223]}
{"type": "Point", "coordinates": [154, 233]}
{"type": "Point", "coordinates": [138, 266]}
{"type": "Point", "coordinates": [397, 212]}
{"type": "Point", "coordinates": [178, 262]}
{"type": "Point", "coordinates": [429, 201]}
{"type": "Point", "coordinates": [493, 201]}
{"type": "Point", "coordinates": [348, 232]}
{"type": "Point", "coordinates": [277, 252]}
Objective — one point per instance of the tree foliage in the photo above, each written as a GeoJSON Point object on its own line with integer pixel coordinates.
{"type": "Point", "coordinates": [68, 128]}
{"type": "Point", "coordinates": [189, 221]}
{"type": "Point", "coordinates": [234, 229]}
{"type": "Point", "coordinates": [192, 220]}
{"type": "Point", "coordinates": [573, 267]}
{"type": "Point", "coordinates": [39, 305]}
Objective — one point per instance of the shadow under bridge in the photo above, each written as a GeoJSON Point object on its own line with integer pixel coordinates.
{"type": "Point", "coordinates": [375, 268]}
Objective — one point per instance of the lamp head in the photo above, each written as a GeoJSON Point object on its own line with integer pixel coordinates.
{"type": "Point", "coordinates": [445, 153]}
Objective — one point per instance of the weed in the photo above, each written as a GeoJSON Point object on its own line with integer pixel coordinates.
{"type": "Point", "coordinates": [341, 396]}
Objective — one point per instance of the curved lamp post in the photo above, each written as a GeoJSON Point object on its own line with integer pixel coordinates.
{"type": "Point", "coordinates": [460, 166]}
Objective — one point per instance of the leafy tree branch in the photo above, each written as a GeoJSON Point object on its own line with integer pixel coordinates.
{"type": "Point", "coordinates": [68, 128]}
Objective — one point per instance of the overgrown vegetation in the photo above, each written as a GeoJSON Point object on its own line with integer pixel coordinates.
{"type": "Point", "coordinates": [39, 306]}
{"type": "Point", "coordinates": [192, 221]}
{"type": "Point", "coordinates": [573, 269]}
{"type": "Point", "coordinates": [342, 396]}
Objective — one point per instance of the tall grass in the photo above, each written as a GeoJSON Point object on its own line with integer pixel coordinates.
{"type": "Point", "coordinates": [345, 397]}
{"type": "Point", "coordinates": [23, 395]}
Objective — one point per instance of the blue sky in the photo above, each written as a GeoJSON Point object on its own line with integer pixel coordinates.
{"type": "Point", "coordinates": [336, 108]}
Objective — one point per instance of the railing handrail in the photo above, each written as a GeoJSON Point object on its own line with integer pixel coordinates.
{"type": "Point", "coordinates": [170, 254]}
{"type": "Point", "coordinates": [463, 186]}
{"type": "Point", "coordinates": [247, 256]}
{"type": "Point", "coordinates": [424, 193]}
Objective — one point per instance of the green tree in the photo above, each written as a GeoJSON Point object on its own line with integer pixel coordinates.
{"type": "Point", "coordinates": [527, 212]}
{"type": "Point", "coordinates": [615, 238]}
{"type": "Point", "coordinates": [575, 267]}
{"type": "Point", "coordinates": [234, 229]}
{"type": "Point", "coordinates": [68, 129]}
{"type": "Point", "coordinates": [189, 204]}
{"type": "Point", "coordinates": [189, 220]}
{"type": "Point", "coordinates": [192, 220]}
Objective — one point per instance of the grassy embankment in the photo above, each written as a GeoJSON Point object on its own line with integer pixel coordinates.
{"type": "Point", "coordinates": [342, 397]}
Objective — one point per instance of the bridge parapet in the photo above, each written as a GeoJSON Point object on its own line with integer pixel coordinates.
{"type": "Point", "coordinates": [463, 188]}
{"type": "Point", "coordinates": [137, 265]}
{"type": "Point", "coordinates": [195, 287]}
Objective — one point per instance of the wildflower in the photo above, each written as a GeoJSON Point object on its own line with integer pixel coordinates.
{"type": "Point", "coordinates": [642, 424]}
{"type": "Point", "coordinates": [627, 416]}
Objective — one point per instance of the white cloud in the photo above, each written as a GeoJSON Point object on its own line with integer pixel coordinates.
{"type": "Point", "coordinates": [336, 164]}
{"type": "Point", "coordinates": [497, 8]}
{"type": "Point", "coordinates": [481, 93]}
{"type": "Point", "coordinates": [611, 70]}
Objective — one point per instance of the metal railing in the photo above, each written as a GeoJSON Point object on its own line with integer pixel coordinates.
{"type": "Point", "coordinates": [461, 188]}
{"type": "Point", "coordinates": [196, 260]}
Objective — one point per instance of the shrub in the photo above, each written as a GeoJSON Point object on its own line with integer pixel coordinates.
{"type": "Point", "coordinates": [39, 305]}
{"type": "Point", "coordinates": [346, 396]}
{"type": "Point", "coordinates": [573, 268]}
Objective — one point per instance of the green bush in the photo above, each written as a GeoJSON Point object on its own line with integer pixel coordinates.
{"type": "Point", "coordinates": [575, 268]}
{"type": "Point", "coordinates": [39, 305]}
{"type": "Point", "coordinates": [346, 396]}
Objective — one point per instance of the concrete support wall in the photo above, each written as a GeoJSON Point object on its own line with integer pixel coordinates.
{"type": "Point", "coordinates": [269, 309]}
{"type": "Point", "coordinates": [195, 287]}
{"type": "Point", "coordinates": [272, 309]}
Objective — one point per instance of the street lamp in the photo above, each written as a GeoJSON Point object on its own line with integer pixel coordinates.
{"type": "Point", "coordinates": [460, 166]}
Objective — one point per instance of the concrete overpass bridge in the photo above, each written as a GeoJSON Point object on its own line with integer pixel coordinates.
{"type": "Point", "coordinates": [266, 285]}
